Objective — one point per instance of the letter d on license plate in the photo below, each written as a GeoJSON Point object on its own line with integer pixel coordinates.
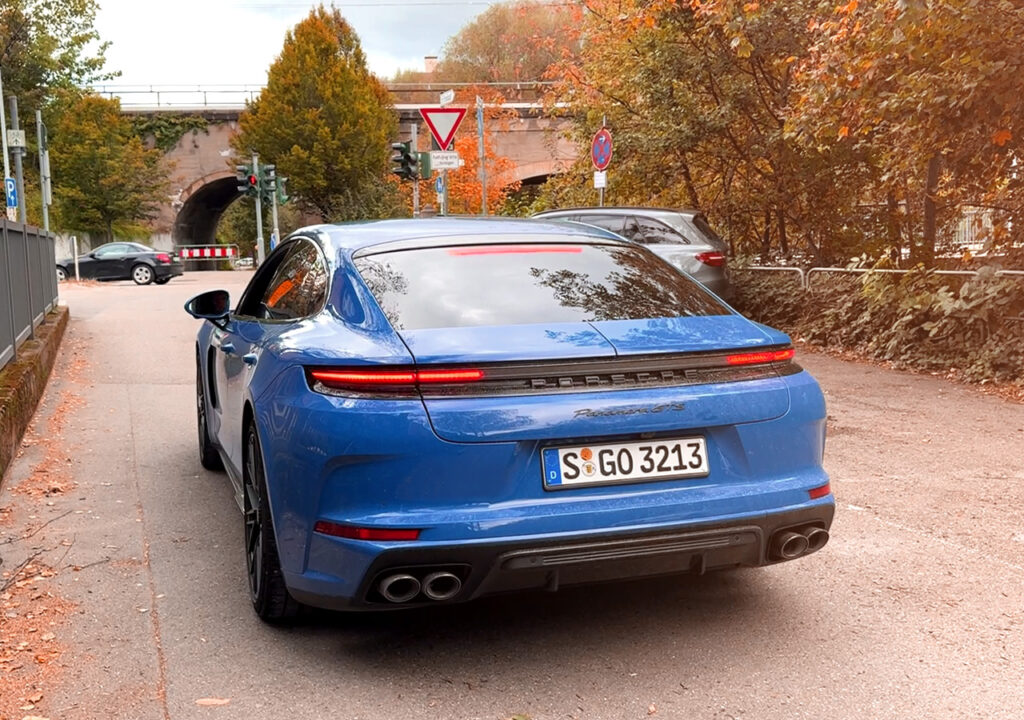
{"type": "Point", "coordinates": [625, 462]}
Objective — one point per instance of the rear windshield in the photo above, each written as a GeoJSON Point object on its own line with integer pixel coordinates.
{"type": "Point", "coordinates": [477, 285]}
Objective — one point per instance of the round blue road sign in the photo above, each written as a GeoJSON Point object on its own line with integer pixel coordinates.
{"type": "Point", "coordinates": [601, 149]}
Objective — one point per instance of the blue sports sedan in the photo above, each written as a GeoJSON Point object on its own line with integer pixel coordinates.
{"type": "Point", "coordinates": [416, 412]}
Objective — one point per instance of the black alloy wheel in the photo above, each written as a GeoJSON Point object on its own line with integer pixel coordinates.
{"type": "Point", "coordinates": [209, 458]}
{"type": "Point", "coordinates": [270, 598]}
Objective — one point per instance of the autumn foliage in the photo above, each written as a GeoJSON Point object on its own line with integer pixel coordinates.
{"type": "Point", "coordinates": [827, 127]}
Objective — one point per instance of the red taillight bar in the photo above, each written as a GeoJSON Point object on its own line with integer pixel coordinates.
{"type": "Point", "coordinates": [352, 532]}
{"type": "Point", "coordinates": [364, 377]}
{"type": "Point", "coordinates": [765, 356]}
{"type": "Point", "coordinates": [376, 378]}
{"type": "Point", "coordinates": [714, 258]}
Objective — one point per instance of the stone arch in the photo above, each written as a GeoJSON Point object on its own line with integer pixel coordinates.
{"type": "Point", "coordinates": [201, 205]}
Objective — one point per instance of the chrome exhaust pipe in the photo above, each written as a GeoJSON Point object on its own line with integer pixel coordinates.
{"type": "Point", "coordinates": [816, 538]}
{"type": "Point", "coordinates": [399, 588]}
{"type": "Point", "coordinates": [788, 545]}
{"type": "Point", "coordinates": [441, 585]}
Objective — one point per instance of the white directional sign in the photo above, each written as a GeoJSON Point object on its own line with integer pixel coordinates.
{"type": "Point", "coordinates": [16, 138]}
{"type": "Point", "coordinates": [444, 160]}
{"type": "Point", "coordinates": [443, 122]}
{"type": "Point", "coordinates": [447, 98]}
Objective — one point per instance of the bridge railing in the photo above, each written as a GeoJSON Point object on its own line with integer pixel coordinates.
{"type": "Point", "coordinates": [232, 97]}
{"type": "Point", "coordinates": [28, 284]}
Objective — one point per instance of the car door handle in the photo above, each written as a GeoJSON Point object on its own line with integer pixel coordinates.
{"type": "Point", "coordinates": [249, 358]}
{"type": "Point", "coordinates": [227, 348]}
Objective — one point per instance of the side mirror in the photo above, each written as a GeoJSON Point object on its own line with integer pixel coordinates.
{"type": "Point", "coordinates": [92, 255]}
{"type": "Point", "coordinates": [212, 305]}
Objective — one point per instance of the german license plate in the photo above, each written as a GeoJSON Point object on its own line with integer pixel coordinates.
{"type": "Point", "coordinates": [625, 462]}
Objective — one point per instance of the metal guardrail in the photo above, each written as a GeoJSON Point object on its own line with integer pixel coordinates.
{"type": "Point", "coordinates": [28, 284]}
{"type": "Point", "coordinates": [805, 275]}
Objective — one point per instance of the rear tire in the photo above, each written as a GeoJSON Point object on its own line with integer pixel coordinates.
{"type": "Point", "coordinates": [142, 274]}
{"type": "Point", "coordinates": [209, 458]}
{"type": "Point", "coordinates": [269, 595]}
{"type": "Point", "coordinates": [62, 274]}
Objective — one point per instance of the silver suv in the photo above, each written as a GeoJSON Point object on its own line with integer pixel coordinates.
{"type": "Point", "coordinates": [682, 237]}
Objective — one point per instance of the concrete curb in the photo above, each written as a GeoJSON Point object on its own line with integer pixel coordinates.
{"type": "Point", "coordinates": [22, 383]}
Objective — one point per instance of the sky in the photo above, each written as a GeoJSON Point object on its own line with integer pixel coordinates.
{"type": "Point", "coordinates": [233, 42]}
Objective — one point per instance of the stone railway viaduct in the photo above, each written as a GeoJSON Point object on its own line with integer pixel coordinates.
{"type": "Point", "coordinates": [203, 181]}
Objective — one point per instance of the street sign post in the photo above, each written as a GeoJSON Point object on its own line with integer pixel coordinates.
{"type": "Point", "coordinates": [444, 160]}
{"type": "Point", "coordinates": [601, 149]}
{"type": "Point", "coordinates": [442, 123]}
{"type": "Point", "coordinates": [601, 156]}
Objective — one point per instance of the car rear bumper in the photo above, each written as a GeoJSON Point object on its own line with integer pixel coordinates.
{"type": "Point", "coordinates": [171, 270]}
{"type": "Point", "coordinates": [486, 568]}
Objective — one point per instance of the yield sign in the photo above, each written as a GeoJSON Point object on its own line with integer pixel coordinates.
{"type": "Point", "coordinates": [443, 122]}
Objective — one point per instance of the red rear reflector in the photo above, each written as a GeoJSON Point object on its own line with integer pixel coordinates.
{"type": "Point", "coordinates": [714, 259]}
{"type": "Point", "coordinates": [755, 358]}
{"type": "Point", "coordinates": [514, 249]}
{"type": "Point", "coordinates": [820, 492]}
{"type": "Point", "coordinates": [361, 533]}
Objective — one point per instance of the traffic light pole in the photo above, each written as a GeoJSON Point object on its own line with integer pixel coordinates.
{"type": "Point", "coordinates": [416, 180]}
{"type": "Point", "coordinates": [260, 254]}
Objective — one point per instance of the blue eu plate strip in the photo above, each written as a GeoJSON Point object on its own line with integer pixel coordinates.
{"type": "Point", "coordinates": [552, 467]}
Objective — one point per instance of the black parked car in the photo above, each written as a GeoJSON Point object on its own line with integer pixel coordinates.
{"type": "Point", "coordinates": [123, 261]}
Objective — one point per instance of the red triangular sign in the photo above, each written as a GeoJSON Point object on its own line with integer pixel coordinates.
{"type": "Point", "coordinates": [443, 122]}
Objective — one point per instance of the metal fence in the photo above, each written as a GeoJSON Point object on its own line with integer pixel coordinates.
{"type": "Point", "coordinates": [28, 284]}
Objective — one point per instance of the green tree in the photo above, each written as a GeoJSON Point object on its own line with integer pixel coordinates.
{"type": "Point", "coordinates": [325, 121]}
{"type": "Point", "coordinates": [47, 46]}
{"type": "Point", "coordinates": [106, 181]}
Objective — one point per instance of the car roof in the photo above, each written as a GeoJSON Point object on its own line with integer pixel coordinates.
{"type": "Point", "coordinates": [620, 210]}
{"type": "Point", "coordinates": [355, 236]}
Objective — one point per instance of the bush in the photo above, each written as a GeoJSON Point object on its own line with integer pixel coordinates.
{"type": "Point", "coordinates": [919, 319]}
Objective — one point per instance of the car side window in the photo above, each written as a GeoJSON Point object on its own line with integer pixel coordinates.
{"type": "Point", "coordinates": [631, 231]}
{"type": "Point", "coordinates": [653, 232]}
{"type": "Point", "coordinates": [112, 251]}
{"type": "Point", "coordinates": [608, 222]}
{"type": "Point", "coordinates": [299, 286]}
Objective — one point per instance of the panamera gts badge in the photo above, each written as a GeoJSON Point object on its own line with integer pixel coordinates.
{"type": "Point", "coordinates": [619, 412]}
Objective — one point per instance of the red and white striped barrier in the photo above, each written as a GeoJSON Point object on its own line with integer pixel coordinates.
{"type": "Point", "coordinates": [212, 252]}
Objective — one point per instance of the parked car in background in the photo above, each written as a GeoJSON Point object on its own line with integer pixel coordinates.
{"type": "Point", "coordinates": [683, 237]}
{"type": "Point", "coordinates": [415, 412]}
{"type": "Point", "coordinates": [123, 261]}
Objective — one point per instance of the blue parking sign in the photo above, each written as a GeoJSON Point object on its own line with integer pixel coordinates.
{"type": "Point", "coordinates": [12, 192]}
{"type": "Point", "coordinates": [439, 184]}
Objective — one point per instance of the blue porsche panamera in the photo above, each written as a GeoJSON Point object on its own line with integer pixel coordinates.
{"type": "Point", "coordinates": [416, 412]}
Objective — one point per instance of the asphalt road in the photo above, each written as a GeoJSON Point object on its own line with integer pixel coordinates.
{"type": "Point", "coordinates": [915, 609]}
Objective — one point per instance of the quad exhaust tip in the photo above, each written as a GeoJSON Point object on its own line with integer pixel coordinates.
{"type": "Point", "coordinates": [791, 544]}
{"type": "Point", "coordinates": [441, 585]}
{"type": "Point", "coordinates": [399, 588]}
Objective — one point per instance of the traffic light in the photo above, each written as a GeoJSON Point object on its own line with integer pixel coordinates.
{"type": "Point", "coordinates": [248, 184]}
{"type": "Point", "coordinates": [424, 164]}
{"type": "Point", "coordinates": [282, 196]}
{"type": "Point", "coordinates": [268, 181]}
{"type": "Point", "coordinates": [406, 162]}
